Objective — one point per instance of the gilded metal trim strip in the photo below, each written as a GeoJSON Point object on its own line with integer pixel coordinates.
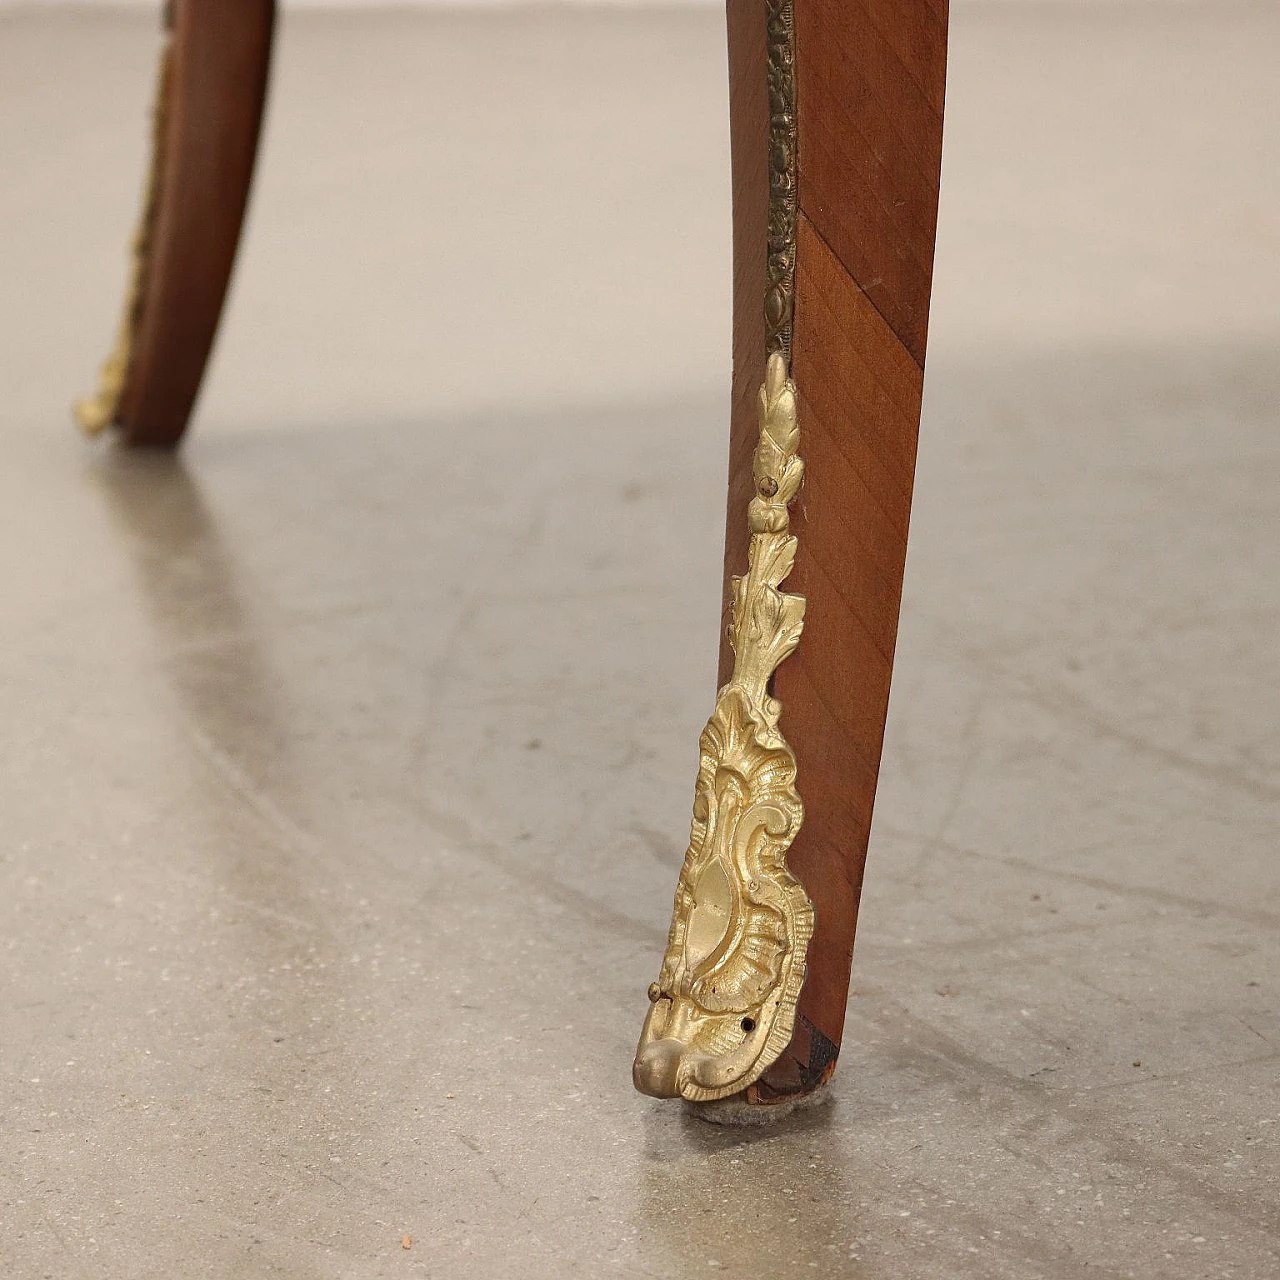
{"type": "Point", "coordinates": [779, 298]}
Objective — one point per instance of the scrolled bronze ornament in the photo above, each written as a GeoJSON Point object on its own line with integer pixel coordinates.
{"type": "Point", "coordinates": [723, 1008]}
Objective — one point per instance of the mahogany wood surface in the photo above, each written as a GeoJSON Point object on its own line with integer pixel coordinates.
{"type": "Point", "coordinates": [870, 80]}
{"type": "Point", "coordinates": [219, 57]}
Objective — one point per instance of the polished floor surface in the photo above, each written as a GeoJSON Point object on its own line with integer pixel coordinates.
{"type": "Point", "coordinates": [347, 758]}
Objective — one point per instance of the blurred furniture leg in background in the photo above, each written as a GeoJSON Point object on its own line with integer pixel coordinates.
{"type": "Point", "coordinates": [208, 114]}
{"type": "Point", "coordinates": [836, 111]}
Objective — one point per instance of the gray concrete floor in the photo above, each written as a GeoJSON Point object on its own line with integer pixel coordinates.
{"type": "Point", "coordinates": [348, 759]}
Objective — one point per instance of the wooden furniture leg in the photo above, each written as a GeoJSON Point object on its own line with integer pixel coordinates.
{"type": "Point", "coordinates": [836, 111]}
{"type": "Point", "coordinates": [213, 82]}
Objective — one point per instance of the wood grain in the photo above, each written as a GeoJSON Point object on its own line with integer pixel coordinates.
{"type": "Point", "coordinates": [870, 82]}
{"type": "Point", "coordinates": [219, 59]}
{"type": "Point", "coordinates": [871, 78]}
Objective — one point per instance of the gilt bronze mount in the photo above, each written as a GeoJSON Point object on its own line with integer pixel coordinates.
{"type": "Point", "coordinates": [724, 1005]}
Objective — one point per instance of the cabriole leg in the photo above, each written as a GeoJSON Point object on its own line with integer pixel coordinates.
{"type": "Point", "coordinates": [836, 109]}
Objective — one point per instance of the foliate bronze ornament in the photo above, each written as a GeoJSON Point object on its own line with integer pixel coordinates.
{"type": "Point", "coordinates": [723, 1008]}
